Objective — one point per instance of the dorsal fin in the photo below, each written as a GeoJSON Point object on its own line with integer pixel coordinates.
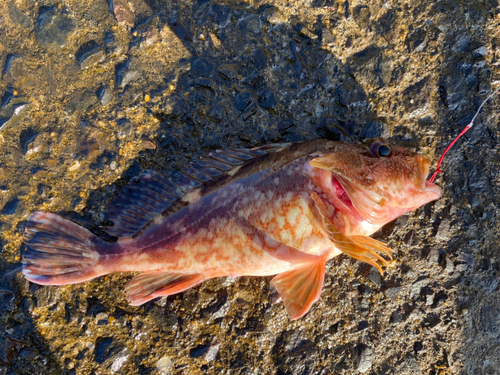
{"type": "Point", "coordinates": [138, 203]}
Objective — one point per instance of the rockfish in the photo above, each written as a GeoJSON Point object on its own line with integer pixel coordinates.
{"type": "Point", "coordinates": [281, 209]}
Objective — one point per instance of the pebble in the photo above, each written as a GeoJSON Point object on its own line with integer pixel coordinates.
{"type": "Point", "coordinates": [228, 71]}
{"type": "Point", "coordinates": [250, 25]}
{"type": "Point", "coordinates": [54, 29]}
{"type": "Point", "coordinates": [105, 95]}
{"type": "Point", "coordinates": [110, 43]}
{"type": "Point", "coordinates": [375, 277]}
{"type": "Point", "coordinates": [164, 365]}
{"type": "Point", "coordinates": [220, 14]}
{"type": "Point", "coordinates": [327, 38]}
{"type": "Point", "coordinates": [285, 124]}
{"type": "Point", "coordinates": [110, 353]}
{"type": "Point", "coordinates": [89, 54]}
{"type": "Point", "coordinates": [218, 112]}
{"type": "Point", "coordinates": [10, 207]}
{"type": "Point", "coordinates": [18, 16]}
{"type": "Point", "coordinates": [305, 32]}
{"type": "Point", "coordinates": [201, 67]}
{"type": "Point", "coordinates": [123, 14]}
{"type": "Point", "coordinates": [242, 100]}
{"type": "Point", "coordinates": [128, 71]}
{"type": "Point", "coordinates": [366, 359]}
{"type": "Point", "coordinates": [266, 99]}
{"type": "Point", "coordinates": [260, 59]}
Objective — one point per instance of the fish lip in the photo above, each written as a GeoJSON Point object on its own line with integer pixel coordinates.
{"type": "Point", "coordinates": [433, 189]}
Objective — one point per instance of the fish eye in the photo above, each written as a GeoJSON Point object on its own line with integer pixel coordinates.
{"type": "Point", "coordinates": [380, 148]}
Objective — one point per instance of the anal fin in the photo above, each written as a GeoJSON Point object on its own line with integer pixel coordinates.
{"type": "Point", "coordinates": [300, 287]}
{"type": "Point", "coordinates": [150, 285]}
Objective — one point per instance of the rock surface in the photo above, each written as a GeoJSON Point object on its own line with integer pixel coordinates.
{"type": "Point", "coordinates": [94, 92]}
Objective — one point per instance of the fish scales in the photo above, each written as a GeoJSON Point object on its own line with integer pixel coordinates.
{"type": "Point", "coordinates": [282, 209]}
{"type": "Point", "coordinates": [220, 227]}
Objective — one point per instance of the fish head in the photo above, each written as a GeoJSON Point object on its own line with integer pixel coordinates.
{"type": "Point", "coordinates": [379, 181]}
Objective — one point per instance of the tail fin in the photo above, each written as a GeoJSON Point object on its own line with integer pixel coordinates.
{"type": "Point", "coordinates": [59, 251]}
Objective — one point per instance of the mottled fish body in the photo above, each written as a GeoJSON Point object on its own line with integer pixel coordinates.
{"type": "Point", "coordinates": [283, 209]}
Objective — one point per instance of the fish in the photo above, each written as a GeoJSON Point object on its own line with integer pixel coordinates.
{"type": "Point", "coordinates": [281, 209]}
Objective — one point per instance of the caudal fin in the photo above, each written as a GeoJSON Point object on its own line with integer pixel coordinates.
{"type": "Point", "coordinates": [59, 251]}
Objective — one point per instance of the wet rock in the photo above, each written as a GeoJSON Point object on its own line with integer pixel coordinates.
{"type": "Point", "coordinates": [26, 137]}
{"type": "Point", "coordinates": [362, 15]}
{"type": "Point", "coordinates": [366, 64]}
{"type": "Point", "coordinates": [110, 353]}
{"type": "Point", "coordinates": [304, 31]}
{"type": "Point", "coordinates": [98, 10]}
{"type": "Point", "coordinates": [110, 43]}
{"type": "Point", "coordinates": [199, 351]}
{"type": "Point", "coordinates": [54, 29]}
{"type": "Point", "coordinates": [327, 38]}
{"type": "Point", "coordinates": [122, 13]}
{"type": "Point", "coordinates": [212, 351]}
{"type": "Point", "coordinates": [149, 35]}
{"type": "Point", "coordinates": [140, 8]}
{"type": "Point", "coordinates": [275, 17]}
{"type": "Point", "coordinates": [18, 17]}
{"type": "Point", "coordinates": [242, 100]}
{"type": "Point", "coordinates": [201, 67]}
{"type": "Point", "coordinates": [220, 14]}
{"type": "Point", "coordinates": [128, 72]}
{"type": "Point", "coordinates": [46, 296]}
{"type": "Point", "coordinates": [9, 349]}
{"type": "Point", "coordinates": [7, 304]}
{"type": "Point", "coordinates": [250, 25]}
{"type": "Point", "coordinates": [416, 41]}
{"type": "Point", "coordinates": [89, 54]}
{"type": "Point", "coordinates": [284, 125]}
{"type": "Point", "coordinates": [266, 99]}
{"type": "Point", "coordinates": [260, 59]}
{"type": "Point", "coordinates": [351, 93]}
{"type": "Point", "coordinates": [329, 128]}
{"type": "Point", "coordinates": [166, 320]}
{"type": "Point", "coordinates": [8, 63]}
{"type": "Point", "coordinates": [217, 112]}
{"type": "Point", "coordinates": [372, 129]}
{"type": "Point", "coordinates": [80, 101]}
{"type": "Point", "coordinates": [375, 276]}
{"type": "Point", "coordinates": [385, 25]}
{"type": "Point", "coordinates": [7, 96]}
{"type": "Point", "coordinates": [300, 68]}
{"type": "Point", "coordinates": [462, 43]}
{"type": "Point", "coordinates": [206, 83]}
{"type": "Point", "coordinates": [104, 94]}
{"type": "Point", "coordinates": [228, 71]}
{"type": "Point", "coordinates": [416, 96]}
{"type": "Point", "coordinates": [183, 34]}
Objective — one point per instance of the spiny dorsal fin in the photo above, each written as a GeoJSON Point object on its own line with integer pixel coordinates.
{"type": "Point", "coordinates": [141, 201]}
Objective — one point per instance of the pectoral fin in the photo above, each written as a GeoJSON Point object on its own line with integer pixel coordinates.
{"type": "Point", "coordinates": [362, 248]}
{"type": "Point", "coordinates": [300, 287]}
{"type": "Point", "coordinates": [150, 285]}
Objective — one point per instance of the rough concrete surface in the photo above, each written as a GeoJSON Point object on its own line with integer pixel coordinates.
{"type": "Point", "coordinates": [94, 92]}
